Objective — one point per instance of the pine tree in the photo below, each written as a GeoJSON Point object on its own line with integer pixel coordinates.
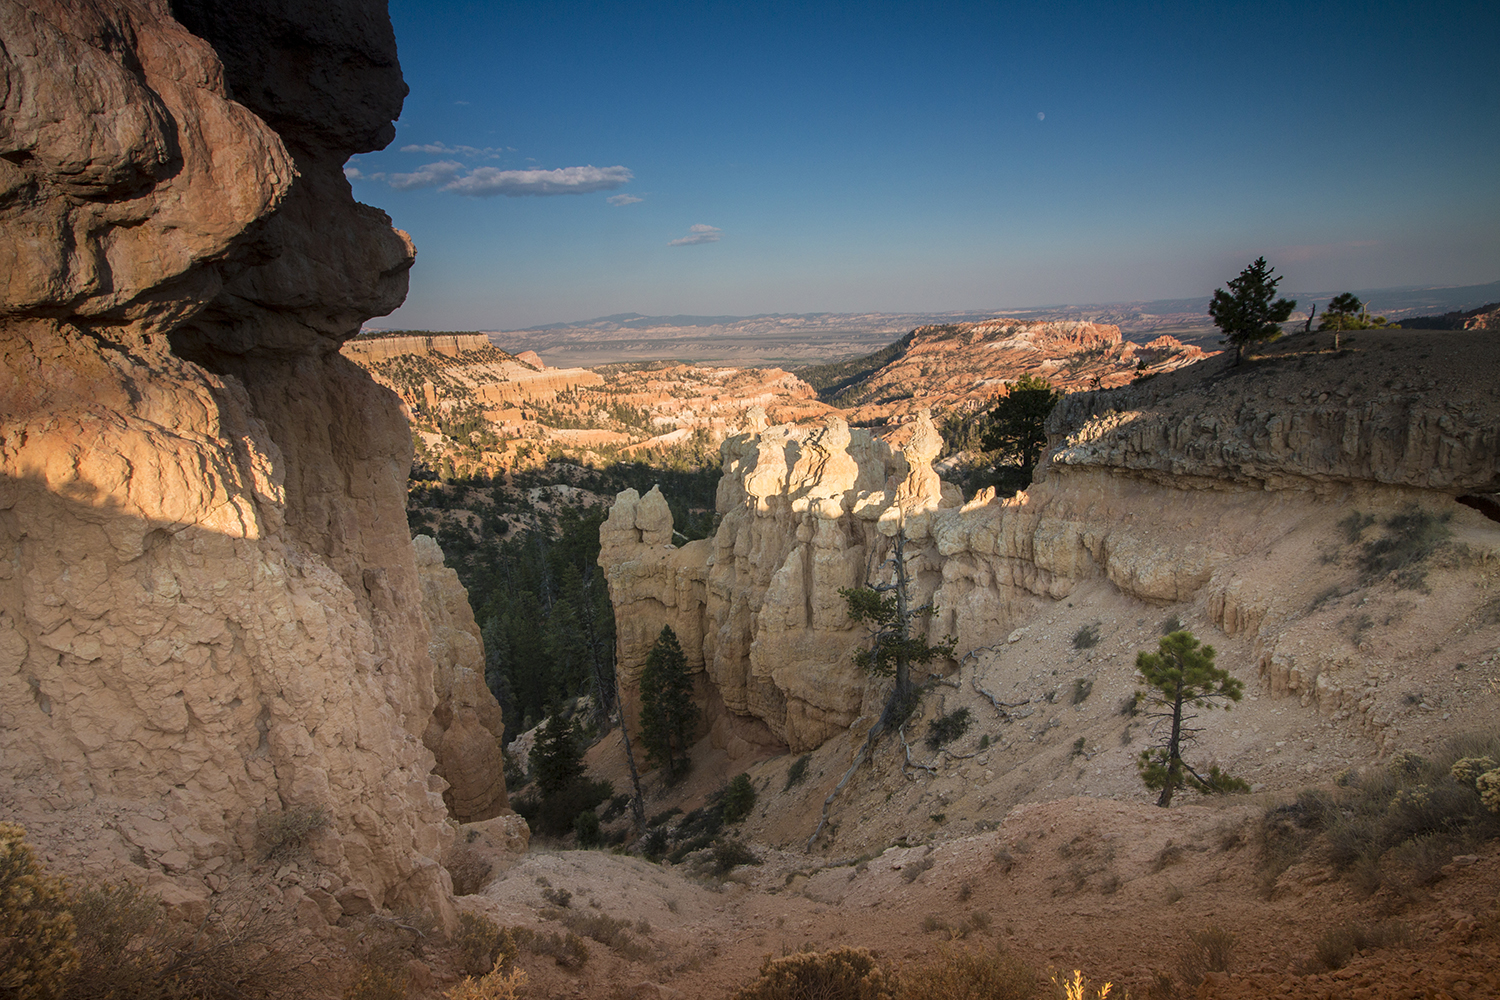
{"type": "Point", "coordinates": [895, 646]}
{"type": "Point", "coordinates": [1182, 673]}
{"type": "Point", "coordinates": [1246, 313]}
{"type": "Point", "coordinates": [668, 714]}
{"type": "Point", "coordinates": [1016, 427]}
{"type": "Point", "coordinates": [556, 758]}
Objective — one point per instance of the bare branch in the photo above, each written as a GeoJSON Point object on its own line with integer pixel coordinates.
{"type": "Point", "coordinates": [929, 768]}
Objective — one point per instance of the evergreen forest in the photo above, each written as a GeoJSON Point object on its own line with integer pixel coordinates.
{"type": "Point", "coordinates": [527, 553]}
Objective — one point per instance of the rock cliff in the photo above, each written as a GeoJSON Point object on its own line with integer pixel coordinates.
{"type": "Point", "coordinates": [1225, 492]}
{"type": "Point", "coordinates": [210, 609]}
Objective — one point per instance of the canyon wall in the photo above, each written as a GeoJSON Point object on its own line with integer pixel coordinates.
{"type": "Point", "coordinates": [368, 349]}
{"type": "Point", "coordinates": [1223, 491]}
{"type": "Point", "coordinates": [210, 608]}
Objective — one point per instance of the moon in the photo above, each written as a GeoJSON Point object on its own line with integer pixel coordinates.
{"type": "Point", "coordinates": [1040, 115]}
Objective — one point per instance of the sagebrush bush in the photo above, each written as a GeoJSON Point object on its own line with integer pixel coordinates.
{"type": "Point", "coordinates": [1407, 820]}
{"type": "Point", "coordinates": [612, 932]}
{"type": "Point", "coordinates": [1466, 770]}
{"type": "Point", "coordinates": [375, 983]}
{"type": "Point", "coordinates": [1410, 540]}
{"type": "Point", "coordinates": [484, 945]}
{"type": "Point", "coordinates": [35, 923]}
{"type": "Point", "coordinates": [1488, 787]}
{"type": "Point", "coordinates": [839, 974]}
{"type": "Point", "coordinates": [242, 949]}
{"type": "Point", "coordinates": [964, 974]}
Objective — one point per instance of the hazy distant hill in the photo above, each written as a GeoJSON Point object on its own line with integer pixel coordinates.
{"type": "Point", "coordinates": [797, 339]}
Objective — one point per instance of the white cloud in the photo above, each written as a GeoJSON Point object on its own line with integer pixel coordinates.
{"type": "Point", "coordinates": [486, 182]}
{"type": "Point", "coordinates": [700, 234]}
{"type": "Point", "coordinates": [443, 149]}
{"type": "Point", "coordinates": [623, 199]}
{"type": "Point", "coordinates": [430, 175]}
{"type": "Point", "coordinates": [352, 173]}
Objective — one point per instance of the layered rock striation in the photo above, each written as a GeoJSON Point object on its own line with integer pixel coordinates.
{"type": "Point", "coordinates": [1220, 490]}
{"type": "Point", "coordinates": [210, 608]}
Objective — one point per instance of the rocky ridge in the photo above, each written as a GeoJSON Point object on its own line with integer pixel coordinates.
{"type": "Point", "coordinates": [210, 609]}
{"type": "Point", "coordinates": [965, 367]}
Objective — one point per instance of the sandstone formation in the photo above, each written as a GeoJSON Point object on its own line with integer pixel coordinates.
{"type": "Point", "coordinates": [965, 367]}
{"type": "Point", "coordinates": [1213, 489]}
{"type": "Point", "coordinates": [210, 609]}
{"type": "Point", "coordinates": [466, 732]}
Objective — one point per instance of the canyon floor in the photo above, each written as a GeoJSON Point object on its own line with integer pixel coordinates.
{"type": "Point", "coordinates": [1111, 888]}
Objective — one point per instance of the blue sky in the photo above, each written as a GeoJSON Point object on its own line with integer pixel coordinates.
{"type": "Point", "coordinates": [560, 161]}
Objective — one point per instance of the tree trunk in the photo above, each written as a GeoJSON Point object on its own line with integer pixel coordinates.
{"type": "Point", "coordinates": [903, 668]}
{"type": "Point", "coordinates": [637, 803]}
{"type": "Point", "coordinates": [1174, 752]}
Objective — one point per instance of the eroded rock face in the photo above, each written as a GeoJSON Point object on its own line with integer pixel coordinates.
{"type": "Point", "coordinates": [806, 511]}
{"type": "Point", "coordinates": [466, 730]}
{"type": "Point", "coordinates": [1179, 492]}
{"type": "Point", "coordinates": [209, 605]}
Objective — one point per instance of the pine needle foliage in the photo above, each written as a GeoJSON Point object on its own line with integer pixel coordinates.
{"type": "Point", "coordinates": [1181, 675]}
{"type": "Point", "coordinates": [668, 714]}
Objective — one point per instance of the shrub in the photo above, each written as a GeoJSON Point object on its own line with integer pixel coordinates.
{"type": "Point", "coordinates": [375, 983]}
{"type": "Point", "coordinates": [1082, 688]}
{"type": "Point", "coordinates": [567, 950]}
{"type": "Point", "coordinates": [738, 798]}
{"type": "Point", "coordinates": [1077, 988]}
{"type": "Point", "coordinates": [797, 773]}
{"type": "Point", "coordinates": [283, 833]}
{"type": "Point", "coordinates": [468, 869]}
{"type": "Point", "coordinates": [947, 728]}
{"type": "Point", "coordinates": [35, 924]}
{"type": "Point", "coordinates": [1334, 949]}
{"type": "Point", "coordinates": [1488, 786]}
{"type": "Point", "coordinates": [493, 986]}
{"type": "Point", "coordinates": [912, 870]}
{"type": "Point", "coordinates": [840, 974]}
{"type": "Point", "coordinates": [242, 950]}
{"type": "Point", "coordinates": [1087, 637]}
{"type": "Point", "coordinates": [1405, 764]}
{"type": "Point", "coordinates": [1466, 770]}
{"type": "Point", "coordinates": [729, 854]}
{"type": "Point", "coordinates": [1410, 540]}
{"type": "Point", "coordinates": [1209, 949]}
{"type": "Point", "coordinates": [609, 931]}
{"type": "Point", "coordinates": [969, 975]}
{"type": "Point", "coordinates": [555, 814]}
{"type": "Point", "coordinates": [586, 828]}
{"type": "Point", "coordinates": [485, 946]}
